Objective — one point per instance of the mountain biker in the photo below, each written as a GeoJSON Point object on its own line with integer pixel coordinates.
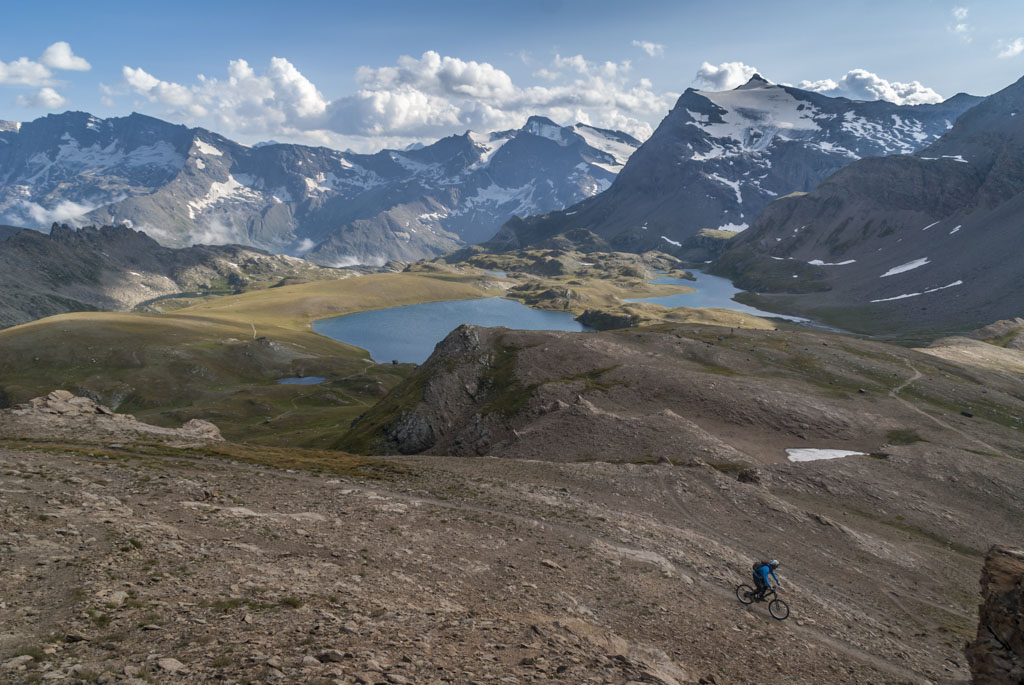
{"type": "Point", "coordinates": [763, 569]}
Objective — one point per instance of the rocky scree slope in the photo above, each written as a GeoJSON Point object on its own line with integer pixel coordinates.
{"type": "Point", "coordinates": [185, 186]}
{"type": "Point", "coordinates": [729, 396]}
{"type": "Point", "coordinates": [922, 242]}
{"type": "Point", "coordinates": [115, 268]}
{"type": "Point", "coordinates": [139, 563]}
{"type": "Point", "coordinates": [719, 158]}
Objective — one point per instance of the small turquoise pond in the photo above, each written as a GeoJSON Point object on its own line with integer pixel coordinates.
{"type": "Point", "coordinates": [304, 380]}
{"type": "Point", "coordinates": [409, 333]}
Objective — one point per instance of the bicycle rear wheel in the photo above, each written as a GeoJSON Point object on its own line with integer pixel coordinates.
{"type": "Point", "coordinates": [778, 609]}
{"type": "Point", "coordinates": [743, 593]}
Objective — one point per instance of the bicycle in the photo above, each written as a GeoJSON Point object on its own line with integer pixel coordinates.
{"type": "Point", "coordinates": [776, 607]}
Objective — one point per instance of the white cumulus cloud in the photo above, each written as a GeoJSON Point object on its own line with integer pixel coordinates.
{"type": "Point", "coordinates": [861, 84]}
{"type": "Point", "coordinates": [60, 56]}
{"type": "Point", "coordinates": [44, 98]}
{"type": "Point", "coordinates": [39, 74]}
{"type": "Point", "coordinates": [25, 72]}
{"type": "Point", "coordinates": [652, 49]}
{"type": "Point", "coordinates": [725, 76]}
{"type": "Point", "coordinates": [414, 98]}
{"type": "Point", "coordinates": [280, 99]}
{"type": "Point", "coordinates": [1013, 48]}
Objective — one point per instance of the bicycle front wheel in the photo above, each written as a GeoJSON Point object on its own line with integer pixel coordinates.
{"type": "Point", "coordinates": [778, 609]}
{"type": "Point", "coordinates": [743, 593]}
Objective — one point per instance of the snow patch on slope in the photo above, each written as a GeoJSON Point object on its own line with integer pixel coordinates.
{"type": "Point", "coordinates": [619, 150]}
{"type": "Point", "coordinates": [931, 290]}
{"type": "Point", "coordinates": [735, 185]}
{"type": "Point", "coordinates": [811, 454]}
{"type": "Point", "coordinates": [207, 149]}
{"type": "Point", "coordinates": [218, 191]}
{"type": "Point", "coordinates": [905, 267]}
{"type": "Point", "coordinates": [769, 107]}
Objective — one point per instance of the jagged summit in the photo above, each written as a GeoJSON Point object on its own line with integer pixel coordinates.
{"type": "Point", "coordinates": [756, 81]}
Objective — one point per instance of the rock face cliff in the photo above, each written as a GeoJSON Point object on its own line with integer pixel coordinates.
{"type": "Point", "coordinates": [997, 655]}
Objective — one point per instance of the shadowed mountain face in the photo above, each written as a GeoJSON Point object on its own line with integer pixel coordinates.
{"type": "Point", "coordinates": [719, 158]}
{"type": "Point", "coordinates": [921, 242]}
{"type": "Point", "coordinates": [186, 186]}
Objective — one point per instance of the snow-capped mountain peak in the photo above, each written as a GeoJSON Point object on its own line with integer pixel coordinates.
{"type": "Point", "coordinates": [719, 158]}
{"type": "Point", "coordinates": [545, 128]}
{"type": "Point", "coordinates": [187, 186]}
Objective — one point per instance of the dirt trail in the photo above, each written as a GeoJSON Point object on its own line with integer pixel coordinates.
{"type": "Point", "coordinates": [894, 393]}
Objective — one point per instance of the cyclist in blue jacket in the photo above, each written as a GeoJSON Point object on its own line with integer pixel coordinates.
{"type": "Point", "coordinates": [763, 569]}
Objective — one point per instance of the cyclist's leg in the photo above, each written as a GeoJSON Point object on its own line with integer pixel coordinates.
{"type": "Point", "coordinates": [759, 587]}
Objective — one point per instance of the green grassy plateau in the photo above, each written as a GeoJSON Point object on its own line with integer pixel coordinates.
{"type": "Point", "coordinates": [219, 360]}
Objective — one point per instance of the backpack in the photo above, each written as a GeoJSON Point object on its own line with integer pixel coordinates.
{"type": "Point", "coordinates": [759, 564]}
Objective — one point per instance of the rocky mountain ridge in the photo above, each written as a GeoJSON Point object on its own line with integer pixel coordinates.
{"type": "Point", "coordinates": [719, 158]}
{"type": "Point", "coordinates": [115, 268]}
{"type": "Point", "coordinates": [188, 186]}
{"type": "Point", "coordinates": [659, 391]}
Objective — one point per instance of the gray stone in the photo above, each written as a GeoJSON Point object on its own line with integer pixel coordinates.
{"type": "Point", "coordinates": [330, 655]}
{"type": "Point", "coordinates": [18, 661]}
{"type": "Point", "coordinates": [169, 664]}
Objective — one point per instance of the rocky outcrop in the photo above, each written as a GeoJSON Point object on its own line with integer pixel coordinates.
{"type": "Point", "coordinates": [61, 415]}
{"type": "Point", "coordinates": [997, 655]}
{"type": "Point", "coordinates": [646, 393]}
{"type": "Point", "coordinates": [1007, 333]}
{"type": "Point", "coordinates": [601, 320]}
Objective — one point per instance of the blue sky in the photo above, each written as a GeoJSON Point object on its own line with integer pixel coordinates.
{"type": "Point", "coordinates": [369, 74]}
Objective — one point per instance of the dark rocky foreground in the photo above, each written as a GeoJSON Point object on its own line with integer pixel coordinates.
{"type": "Point", "coordinates": [997, 655]}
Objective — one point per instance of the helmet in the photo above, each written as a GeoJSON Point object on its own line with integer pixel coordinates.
{"type": "Point", "coordinates": [774, 563]}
